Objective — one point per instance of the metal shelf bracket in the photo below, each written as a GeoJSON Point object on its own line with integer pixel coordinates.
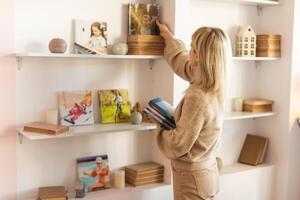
{"type": "Point", "coordinates": [20, 136]}
{"type": "Point", "coordinates": [259, 9]}
{"type": "Point", "coordinates": [151, 63]}
{"type": "Point", "coordinates": [19, 63]}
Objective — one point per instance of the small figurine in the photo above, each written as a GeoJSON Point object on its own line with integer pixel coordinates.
{"type": "Point", "coordinates": [136, 116]}
{"type": "Point", "coordinates": [79, 188]}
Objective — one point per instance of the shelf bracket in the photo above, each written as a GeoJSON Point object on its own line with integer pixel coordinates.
{"type": "Point", "coordinates": [259, 9]}
{"type": "Point", "coordinates": [19, 63]}
{"type": "Point", "coordinates": [20, 136]}
{"type": "Point", "coordinates": [298, 121]}
{"type": "Point", "coordinates": [151, 63]}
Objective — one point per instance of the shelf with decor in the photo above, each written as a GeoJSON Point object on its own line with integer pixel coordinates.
{"type": "Point", "coordinates": [255, 58]}
{"type": "Point", "coordinates": [230, 116]}
{"type": "Point", "coordinates": [88, 130]}
{"type": "Point", "coordinates": [263, 3]}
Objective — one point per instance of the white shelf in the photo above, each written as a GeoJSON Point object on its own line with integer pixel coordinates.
{"type": "Point", "coordinates": [246, 115]}
{"type": "Point", "coordinates": [255, 58]}
{"type": "Point", "coordinates": [240, 168]}
{"type": "Point", "coordinates": [252, 2]}
{"type": "Point", "coordinates": [85, 56]}
{"type": "Point", "coordinates": [126, 193]}
{"type": "Point", "coordinates": [90, 130]}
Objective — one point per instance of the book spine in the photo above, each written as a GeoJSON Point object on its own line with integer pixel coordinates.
{"type": "Point", "coordinates": [162, 112]}
{"type": "Point", "coordinates": [160, 121]}
{"type": "Point", "coordinates": [164, 119]}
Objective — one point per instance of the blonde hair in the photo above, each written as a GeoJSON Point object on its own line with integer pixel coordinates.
{"type": "Point", "coordinates": [214, 53]}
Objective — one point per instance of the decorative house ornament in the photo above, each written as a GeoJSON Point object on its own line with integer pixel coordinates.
{"type": "Point", "coordinates": [246, 42]}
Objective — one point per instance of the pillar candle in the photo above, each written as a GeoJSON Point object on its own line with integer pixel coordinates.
{"type": "Point", "coordinates": [120, 179]}
{"type": "Point", "coordinates": [238, 104]}
{"type": "Point", "coordinates": [52, 116]}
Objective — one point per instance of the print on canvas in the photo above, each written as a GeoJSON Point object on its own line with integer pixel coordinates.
{"type": "Point", "coordinates": [90, 37]}
{"type": "Point", "coordinates": [142, 19]}
{"type": "Point", "coordinates": [114, 106]}
{"type": "Point", "coordinates": [94, 172]}
{"type": "Point", "coordinates": [76, 107]}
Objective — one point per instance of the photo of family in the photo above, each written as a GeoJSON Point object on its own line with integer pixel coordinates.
{"type": "Point", "coordinates": [90, 37]}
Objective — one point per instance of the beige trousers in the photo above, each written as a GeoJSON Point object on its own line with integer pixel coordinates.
{"type": "Point", "coordinates": [195, 181]}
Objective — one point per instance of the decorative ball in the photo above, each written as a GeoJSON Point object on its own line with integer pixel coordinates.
{"type": "Point", "coordinates": [120, 49]}
{"type": "Point", "coordinates": [57, 45]}
{"type": "Point", "coordinates": [136, 117]}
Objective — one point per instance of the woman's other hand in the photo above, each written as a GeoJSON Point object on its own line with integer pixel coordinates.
{"type": "Point", "coordinates": [164, 30]}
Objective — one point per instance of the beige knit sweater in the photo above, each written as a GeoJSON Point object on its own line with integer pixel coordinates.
{"type": "Point", "coordinates": [198, 116]}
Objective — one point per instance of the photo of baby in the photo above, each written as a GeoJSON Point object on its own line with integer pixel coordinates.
{"type": "Point", "coordinates": [90, 37]}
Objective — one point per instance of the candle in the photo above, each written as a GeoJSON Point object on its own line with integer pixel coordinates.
{"type": "Point", "coordinates": [238, 104]}
{"type": "Point", "coordinates": [52, 116]}
{"type": "Point", "coordinates": [120, 179]}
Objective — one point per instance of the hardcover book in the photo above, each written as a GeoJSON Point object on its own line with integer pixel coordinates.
{"type": "Point", "coordinates": [163, 107]}
{"type": "Point", "coordinates": [253, 150]}
{"type": "Point", "coordinates": [90, 37]}
{"type": "Point", "coordinates": [45, 128]}
{"type": "Point", "coordinates": [76, 107]}
{"type": "Point", "coordinates": [114, 106]}
{"type": "Point", "coordinates": [142, 19]}
{"type": "Point", "coordinates": [52, 193]}
{"type": "Point", "coordinates": [94, 172]}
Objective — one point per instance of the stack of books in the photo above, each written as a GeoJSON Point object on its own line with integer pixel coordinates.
{"type": "Point", "coordinates": [144, 173]}
{"type": "Point", "coordinates": [162, 112]}
{"type": "Point", "coordinates": [45, 128]}
{"type": "Point", "coordinates": [52, 193]}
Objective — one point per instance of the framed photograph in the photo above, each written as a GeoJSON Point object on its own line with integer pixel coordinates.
{"type": "Point", "coordinates": [142, 19]}
{"type": "Point", "coordinates": [114, 106]}
{"type": "Point", "coordinates": [76, 107]}
{"type": "Point", "coordinates": [90, 37]}
{"type": "Point", "coordinates": [94, 172]}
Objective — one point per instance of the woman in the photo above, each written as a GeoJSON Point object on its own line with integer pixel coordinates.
{"type": "Point", "coordinates": [193, 144]}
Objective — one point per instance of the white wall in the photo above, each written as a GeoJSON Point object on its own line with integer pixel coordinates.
{"type": "Point", "coordinates": [294, 136]}
{"type": "Point", "coordinates": [42, 163]}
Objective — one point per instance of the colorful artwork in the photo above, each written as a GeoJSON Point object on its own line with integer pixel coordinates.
{"type": "Point", "coordinates": [114, 106]}
{"type": "Point", "coordinates": [76, 107]}
{"type": "Point", "coordinates": [142, 19]}
{"type": "Point", "coordinates": [90, 37]}
{"type": "Point", "coordinates": [94, 172]}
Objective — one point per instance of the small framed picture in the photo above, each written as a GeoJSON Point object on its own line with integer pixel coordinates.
{"type": "Point", "coordinates": [94, 172]}
{"type": "Point", "coordinates": [90, 37]}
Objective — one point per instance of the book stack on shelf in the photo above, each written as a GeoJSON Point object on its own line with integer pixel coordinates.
{"type": "Point", "coordinates": [162, 112]}
{"type": "Point", "coordinates": [144, 173]}
{"type": "Point", "coordinates": [45, 128]}
{"type": "Point", "coordinates": [52, 193]}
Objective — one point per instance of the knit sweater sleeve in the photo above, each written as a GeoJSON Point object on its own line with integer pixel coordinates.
{"type": "Point", "coordinates": [179, 141]}
{"type": "Point", "coordinates": [177, 57]}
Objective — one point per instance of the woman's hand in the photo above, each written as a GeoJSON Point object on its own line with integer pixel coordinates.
{"type": "Point", "coordinates": [164, 30]}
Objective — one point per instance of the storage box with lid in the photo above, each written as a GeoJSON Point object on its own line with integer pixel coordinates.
{"type": "Point", "coordinates": [268, 45]}
{"type": "Point", "coordinates": [145, 45]}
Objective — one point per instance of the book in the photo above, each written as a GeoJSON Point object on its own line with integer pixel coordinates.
{"type": "Point", "coordinates": [163, 107]}
{"type": "Point", "coordinates": [257, 105]}
{"type": "Point", "coordinates": [114, 106]}
{"type": "Point", "coordinates": [90, 37]}
{"type": "Point", "coordinates": [94, 172]}
{"type": "Point", "coordinates": [144, 167]}
{"type": "Point", "coordinates": [164, 119]}
{"type": "Point", "coordinates": [142, 19]}
{"type": "Point", "coordinates": [157, 119]}
{"type": "Point", "coordinates": [45, 128]}
{"type": "Point", "coordinates": [253, 150]}
{"type": "Point", "coordinates": [52, 193]}
{"type": "Point", "coordinates": [76, 107]}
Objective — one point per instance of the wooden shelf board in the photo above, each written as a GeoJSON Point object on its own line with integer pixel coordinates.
{"type": "Point", "coordinates": [255, 58]}
{"type": "Point", "coordinates": [85, 56]}
{"type": "Point", "coordinates": [114, 193]}
{"type": "Point", "coordinates": [90, 130]}
{"type": "Point", "coordinates": [252, 2]}
{"type": "Point", "coordinates": [240, 168]}
{"type": "Point", "coordinates": [246, 115]}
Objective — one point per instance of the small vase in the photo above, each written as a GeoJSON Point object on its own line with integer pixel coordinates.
{"type": "Point", "coordinates": [57, 45]}
{"type": "Point", "coordinates": [120, 49]}
{"type": "Point", "coordinates": [136, 118]}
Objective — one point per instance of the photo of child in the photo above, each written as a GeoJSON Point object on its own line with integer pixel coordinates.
{"type": "Point", "coordinates": [90, 37]}
{"type": "Point", "coordinates": [94, 172]}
